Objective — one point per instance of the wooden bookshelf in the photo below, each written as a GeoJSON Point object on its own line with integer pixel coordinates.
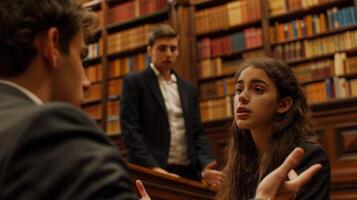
{"type": "Point", "coordinates": [329, 114]}
{"type": "Point", "coordinates": [99, 105]}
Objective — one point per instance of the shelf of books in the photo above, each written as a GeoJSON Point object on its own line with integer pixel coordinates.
{"type": "Point", "coordinates": [226, 34]}
{"type": "Point", "coordinates": [318, 39]}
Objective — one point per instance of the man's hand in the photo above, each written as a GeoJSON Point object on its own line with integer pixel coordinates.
{"type": "Point", "coordinates": [212, 177]}
{"type": "Point", "coordinates": [142, 191]}
{"type": "Point", "coordinates": [283, 182]}
{"type": "Point", "coordinates": [158, 169]}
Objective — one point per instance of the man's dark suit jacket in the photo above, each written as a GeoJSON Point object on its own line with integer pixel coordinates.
{"type": "Point", "coordinates": [145, 124]}
{"type": "Point", "coordinates": [55, 151]}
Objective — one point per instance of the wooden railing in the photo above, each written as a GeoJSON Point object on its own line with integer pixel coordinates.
{"type": "Point", "coordinates": [165, 187]}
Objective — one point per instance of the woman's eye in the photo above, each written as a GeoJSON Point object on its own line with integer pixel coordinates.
{"type": "Point", "coordinates": [259, 90]}
{"type": "Point", "coordinates": [239, 90]}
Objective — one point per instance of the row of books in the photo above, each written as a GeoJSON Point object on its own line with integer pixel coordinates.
{"type": "Point", "coordinates": [113, 123]}
{"type": "Point", "coordinates": [113, 127]}
{"type": "Point", "coordinates": [226, 45]}
{"type": "Point", "coordinates": [341, 65]}
{"type": "Point", "coordinates": [316, 47]}
{"type": "Point", "coordinates": [114, 88]}
{"type": "Point", "coordinates": [314, 71]}
{"type": "Point", "coordinates": [93, 93]}
{"type": "Point", "coordinates": [95, 50]}
{"type": "Point", "coordinates": [125, 65]}
{"type": "Point", "coordinates": [222, 87]}
{"type": "Point", "coordinates": [217, 66]}
{"type": "Point", "coordinates": [216, 109]}
{"type": "Point", "coordinates": [278, 7]}
{"type": "Point", "coordinates": [94, 110]}
{"type": "Point", "coordinates": [94, 72]}
{"type": "Point", "coordinates": [226, 16]}
{"type": "Point", "coordinates": [132, 9]}
{"type": "Point", "coordinates": [129, 39]}
{"type": "Point", "coordinates": [330, 88]}
{"type": "Point", "coordinates": [313, 24]}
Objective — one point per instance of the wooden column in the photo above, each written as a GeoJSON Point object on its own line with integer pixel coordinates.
{"type": "Point", "coordinates": [182, 19]}
{"type": "Point", "coordinates": [265, 26]}
{"type": "Point", "coordinates": [104, 34]}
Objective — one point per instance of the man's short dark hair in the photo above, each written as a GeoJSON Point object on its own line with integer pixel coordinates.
{"type": "Point", "coordinates": [22, 20]}
{"type": "Point", "coordinates": [161, 31]}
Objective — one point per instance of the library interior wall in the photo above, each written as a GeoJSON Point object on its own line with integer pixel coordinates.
{"type": "Point", "coordinates": [292, 30]}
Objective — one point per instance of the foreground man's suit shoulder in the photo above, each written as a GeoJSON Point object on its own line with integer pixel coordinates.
{"type": "Point", "coordinates": [55, 151]}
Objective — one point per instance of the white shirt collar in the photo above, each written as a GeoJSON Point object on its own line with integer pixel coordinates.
{"type": "Point", "coordinates": [25, 91]}
{"type": "Point", "coordinates": [157, 73]}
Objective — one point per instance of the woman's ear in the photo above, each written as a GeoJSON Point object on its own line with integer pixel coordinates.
{"type": "Point", "coordinates": [284, 105]}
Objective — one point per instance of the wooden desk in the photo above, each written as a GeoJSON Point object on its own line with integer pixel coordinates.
{"type": "Point", "coordinates": [164, 187]}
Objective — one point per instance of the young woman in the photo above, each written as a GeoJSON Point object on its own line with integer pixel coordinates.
{"type": "Point", "coordinates": [271, 119]}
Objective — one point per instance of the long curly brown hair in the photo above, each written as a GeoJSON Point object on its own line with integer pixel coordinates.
{"type": "Point", "coordinates": [245, 168]}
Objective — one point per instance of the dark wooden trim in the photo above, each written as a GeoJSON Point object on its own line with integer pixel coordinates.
{"type": "Point", "coordinates": [187, 59]}
{"type": "Point", "coordinates": [88, 102]}
{"type": "Point", "coordinates": [203, 4]}
{"type": "Point", "coordinates": [91, 61]}
{"type": "Point", "coordinates": [141, 49]}
{"type": "Point", "coordinates": [214, 78]}
{"type": "Point", "coordinates": [105, 65]}
{"type": "Point", "coordinates": [264, 9]}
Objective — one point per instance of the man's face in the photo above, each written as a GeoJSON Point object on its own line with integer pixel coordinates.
{"type": "Point", "coordinates": [164, 53]}
{"type": "Point", "coordinates": [69, 78]}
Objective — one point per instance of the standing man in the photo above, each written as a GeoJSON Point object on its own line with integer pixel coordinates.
{"type": "Point", "coordinates": [160, 116]}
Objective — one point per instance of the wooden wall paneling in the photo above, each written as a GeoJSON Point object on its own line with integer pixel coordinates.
{"type": "Point", "coordinates": [339, 120]}
{"type": "Point", "coordinates": [218, 133]}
